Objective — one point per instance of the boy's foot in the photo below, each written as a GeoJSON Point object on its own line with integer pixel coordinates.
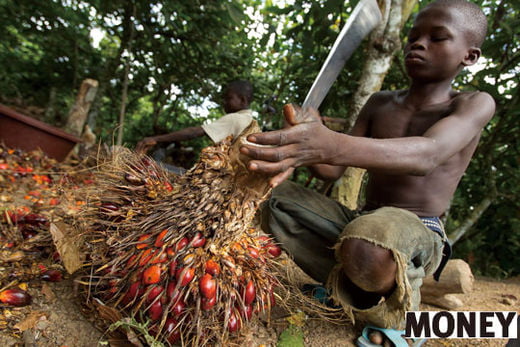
{"type": "Point", "coordinates": [374, 337]}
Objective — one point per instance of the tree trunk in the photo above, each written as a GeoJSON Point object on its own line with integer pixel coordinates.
{"type": "Point", "coordinates": [122, 110]}
{"type": "Point", "coordinates": [109, 71]}
{"type": "Point", "coordinates": [124, 93]}
{"type": "Point", "coordinates": [384, 42]}
{"type": "Point", "coordinates": [471, 220]}
{"type": "Point", "coordinates": [79, 111]}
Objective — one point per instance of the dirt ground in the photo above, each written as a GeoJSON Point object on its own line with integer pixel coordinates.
{"type": "Point", "coordinates": [55, 319]}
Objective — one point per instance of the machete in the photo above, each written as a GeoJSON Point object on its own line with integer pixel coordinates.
{"type": "Point", "coordinates": [362, 21]}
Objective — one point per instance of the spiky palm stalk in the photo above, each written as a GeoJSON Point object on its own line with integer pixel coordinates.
{"type": "Point", "coordinates": [182, 252]}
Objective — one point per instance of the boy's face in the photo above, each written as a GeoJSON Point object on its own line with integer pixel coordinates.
{"type": "Point", "coordinates": [437, 46]}
{"type": "Point", "coordinates": [233, 102]}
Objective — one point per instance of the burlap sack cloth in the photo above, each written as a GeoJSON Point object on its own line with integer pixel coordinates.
{"type": "Point", "coordinates": [311, 227]}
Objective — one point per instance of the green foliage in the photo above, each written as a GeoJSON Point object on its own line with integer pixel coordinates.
{"type": "Point", "coordinates": [291, 337]}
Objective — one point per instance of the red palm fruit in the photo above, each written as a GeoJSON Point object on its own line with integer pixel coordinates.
{"type": "Point", "coordinates": [208, 286]}
{"type": "Point", "coordinates": [109, 294]}
{"type": "Point", "coordinates": [173, 268]}
{"type": "Point", "coordinates": [56, 256]}
{"type": "Point", "coordinates": [274, 250]}
{"type": "Point", "coordinates": [28, 232]}
{"type": "Point", "coordinates": [178, 308]}
{"type": "Point", "coordinates": [188, 259]}
{"type": "Point", "coordinates": [132, 179]}
{"type": "Point", "coordinates": [147, 163]}
{"type": "Point", "coordinates": [154, 292]}
{"type": "Point", "coordinates": [15, 297]}
{"type": "Point", "coordinates": [155, 311]}
{"type": "Point", "coordinates": [249, 293]}
{"type": "Point", "coordinates": [159, 240]}
{"type": "Point", "coordinates": [146, 256]}
{"type": "Point", "coordinates": [170, 252]}
{"type": "Point", "coordinates": [272, 298]}
{"type": "Point", "coordinates": [52, 276]}
{"type": "Point", "coordinates": [263, 239]}
{"type": "Point", "coordinates": [253, 253]}
{"type": "Point", "coordinates": [229, 262]}
{"type": "Point", "coordinates": [106, 207]}
{"type": "Point", "coordinates": [247, 312]}
{"type": "Point", "coordinates": [168, 186]}
{"type": "Point", "coordinates": [152, 274]}
{"type": "Point", "coordinates": [184, 275]}
{"type": "Point", "coordinates": [233, 322]}
{"type": "Point", "coordinates": [212, 267]}
{"type": "Point", "coordinates": [35, 219]}
{"type": "Point", "coordinates": [142, 244]}
{"type": "Point", "coordinates": [198, 240]}
{"type": "Point", "coordinates": [173, 335]}
{"type": "Point", "coordinates": [54, 201]}
{"type": "Point", "coordinates": [181, 244]}
{"type": "Point", "coordinates": [237, 248]}
{"type": "Point", "coordinates": [113, 282]}
{"type": "Point", "coordinates": [161, 257]}
{"type": "Point", "coordinates": [131, 261]}
{"type": "Point", "coordinates": [207, 304]}
{"type": "Point", "coordinates": [172, 294]}
{"type": "Point", "coordinates": [131, 293]}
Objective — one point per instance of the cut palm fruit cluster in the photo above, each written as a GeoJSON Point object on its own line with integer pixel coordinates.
{"type": "Point", "coordinates": [181, 252]}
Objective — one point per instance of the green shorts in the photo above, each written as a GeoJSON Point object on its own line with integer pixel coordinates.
{"type": "Point", "coordinates": [310, 227]}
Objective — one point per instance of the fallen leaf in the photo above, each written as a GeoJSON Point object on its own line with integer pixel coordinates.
{"type": "Point", "coordinates": [47, 291]}
{"type": "Point", "coordinates": [108, 313]}
{"type": "Point", "coordinates": [30, 321]}
{"type": "Point", "coordinates": [67, 246]}
{"type": "Point", "coordinates": [297, 319]}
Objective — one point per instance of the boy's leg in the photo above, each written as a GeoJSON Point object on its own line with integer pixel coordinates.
{"type": "Point", "coordinates": [307, 225]}
{"type": "Point", "coordinates": [416, 251]}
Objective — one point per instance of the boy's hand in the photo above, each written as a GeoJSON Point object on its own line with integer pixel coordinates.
{"type": "Point", "coordinates": [145, 144]}
{"type": "Point", "coordinates": [303, 143]}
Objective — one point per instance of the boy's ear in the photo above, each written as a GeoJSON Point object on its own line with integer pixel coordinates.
{"type": "Point", "coordinates": [243, 101]}
{"type": "Point", "coordinates": [471, 56]}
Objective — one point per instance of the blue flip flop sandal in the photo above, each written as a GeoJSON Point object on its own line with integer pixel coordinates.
{"type": "Point", "coordinates": [395, 336]}
{"type": "Point", "coordinates": [319, 293]}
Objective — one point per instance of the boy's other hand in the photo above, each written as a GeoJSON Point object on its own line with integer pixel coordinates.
{"type": "Point", "coordinates": [145, 144]}
{"type": "Point", "coordinates": [303, 142]}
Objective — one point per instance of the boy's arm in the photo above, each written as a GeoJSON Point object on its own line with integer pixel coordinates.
{"type": "Point", "coordinates": [311, 143]}
{"type": "Point", "coordinates": [181, 135]}
{"type": "Point", "coordinates": [360, 128]}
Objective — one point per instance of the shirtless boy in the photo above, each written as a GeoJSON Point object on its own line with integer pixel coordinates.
{"type": "Point", "coordinates": [415, 145]}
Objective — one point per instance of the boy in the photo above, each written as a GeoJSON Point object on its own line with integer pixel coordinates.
{"type": "Point", "coordinates": [415, 144]}
{"type": "Point", "coordinates": [238, 95]}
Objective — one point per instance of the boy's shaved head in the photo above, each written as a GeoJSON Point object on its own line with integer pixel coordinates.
{"type": "Point", "coordinates": [476, 21]}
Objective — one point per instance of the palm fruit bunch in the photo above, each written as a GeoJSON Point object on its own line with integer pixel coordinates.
{"type": "Point", "coordinates": [181, 252]}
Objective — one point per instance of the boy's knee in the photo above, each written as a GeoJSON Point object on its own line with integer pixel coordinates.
{"type": "Point", "coordinates": [370, 267]}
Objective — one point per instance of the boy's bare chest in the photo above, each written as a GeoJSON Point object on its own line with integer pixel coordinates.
{"type": "Point", "coordinates": [393, 121]}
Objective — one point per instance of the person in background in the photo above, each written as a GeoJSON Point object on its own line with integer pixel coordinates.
{"type": "Point", "coordinates": [238, 96]}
